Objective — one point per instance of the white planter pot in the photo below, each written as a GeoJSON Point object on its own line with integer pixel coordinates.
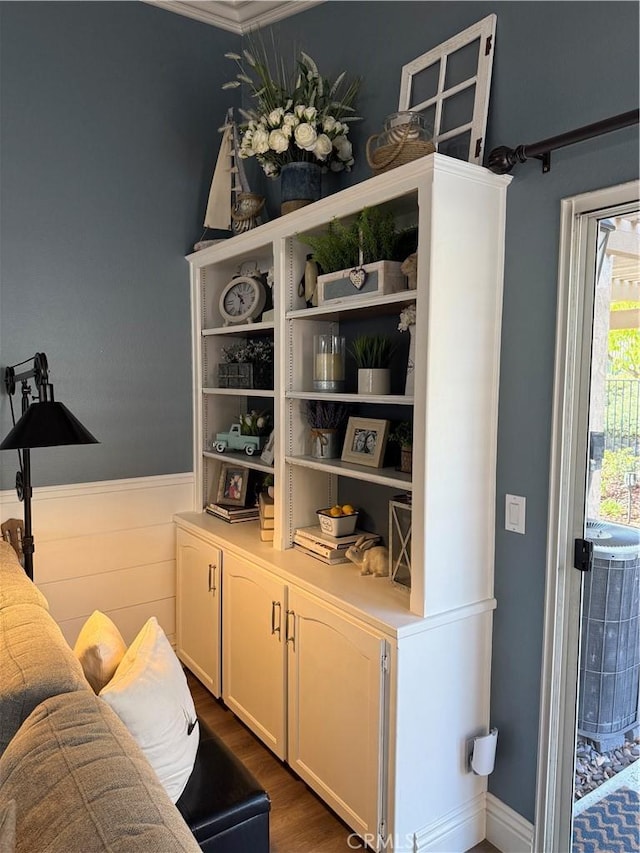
{"type": "Point", "coordinates": [374, 380]}
{"type": "Point", "coordinates": [326, 443]}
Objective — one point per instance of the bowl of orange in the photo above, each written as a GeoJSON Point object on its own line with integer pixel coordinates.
{"type": "Point", "coordinates": [338, 520]}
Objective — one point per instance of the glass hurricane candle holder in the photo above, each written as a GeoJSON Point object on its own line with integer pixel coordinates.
{"type": "Point", "coordinates": [328, 362]}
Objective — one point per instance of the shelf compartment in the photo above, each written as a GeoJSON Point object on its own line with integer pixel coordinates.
{"type": "Point", "coordinates": [220, 410]}
{"type": "Point", "coordinates": [213, 277]}
{"type": "Point", "coordinates": [373, 307]}
{"type": "Point", "coordinates": [382, 476]}
{"type": "Point", "coordinates": [213, 349]}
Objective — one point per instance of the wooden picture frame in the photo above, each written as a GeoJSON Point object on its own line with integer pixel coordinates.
{"type": "Point", "coordinates": [233, 484]}
{"type": "Point", "coordinates": [365, 441]}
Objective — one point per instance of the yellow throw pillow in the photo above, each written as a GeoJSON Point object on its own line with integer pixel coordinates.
{"type": "Point", "coordinates": [150, 694]}
{"type": "Point", "coordinates": [99, 648]}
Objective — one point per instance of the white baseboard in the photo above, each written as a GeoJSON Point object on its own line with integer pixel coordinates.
{"type": "Point", "coordinates": [459, 830]}
{"type": "Point", "coordinates": [483, 817]}
{"type": "Point", "coordinates": [506, 829]}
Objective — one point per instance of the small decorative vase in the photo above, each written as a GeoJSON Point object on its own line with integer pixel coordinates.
{"type": "Point", "coordinates": [244, 215]}
{"type": "Point", "coordinates": [406, 458]}
{"type": "Point", "coordinates": [300, 184]}
{"type": "Point", "coordinates": [411, 363]}
{"type": "Point", "coordinates": [374, 380]}
{"type": "Point", "coordinates": [325, 444]}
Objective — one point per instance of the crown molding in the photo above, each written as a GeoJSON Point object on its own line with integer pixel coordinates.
{"type": "Point", "coordinates": [236, 16]}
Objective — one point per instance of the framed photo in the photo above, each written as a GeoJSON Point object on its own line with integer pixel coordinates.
{"type": "Point", "coordinates": [233, 485]}
{"type": "Point", "coordinates": [267, 453]}
{"type": "Point", "coordinates": [365, 441]}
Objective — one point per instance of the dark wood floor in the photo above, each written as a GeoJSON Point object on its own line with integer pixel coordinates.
{"type": "Point", "coordinates": [300, 822]}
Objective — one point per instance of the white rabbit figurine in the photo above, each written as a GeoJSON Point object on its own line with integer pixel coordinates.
{"type": "Point", "coordinates": [372, 559]}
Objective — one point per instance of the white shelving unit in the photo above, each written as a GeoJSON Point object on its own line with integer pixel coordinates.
{"type": "Point", "coordinates": [443, 625]}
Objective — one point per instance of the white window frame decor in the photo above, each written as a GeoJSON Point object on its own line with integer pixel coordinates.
{"type": "Point", "coordinates": [400, 529]}
{"type": "Point", "coordinates": [485, 30]}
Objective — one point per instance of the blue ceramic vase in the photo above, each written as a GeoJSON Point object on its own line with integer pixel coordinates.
{"type": "Point", "coordinates": [300, 184]}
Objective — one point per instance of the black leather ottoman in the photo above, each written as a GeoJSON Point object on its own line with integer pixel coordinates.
{"type": "Point", "coordinates": [224, 806]}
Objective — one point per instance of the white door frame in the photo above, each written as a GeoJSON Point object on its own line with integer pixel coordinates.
{"type": "Point", "coordinates": [567, 485]}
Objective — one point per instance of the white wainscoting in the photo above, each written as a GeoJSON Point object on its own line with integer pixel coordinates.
{"type": "Point", "coordinates": [107, 546]}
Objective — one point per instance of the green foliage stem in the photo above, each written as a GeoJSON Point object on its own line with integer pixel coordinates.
{"type": "Point", "coordinates": [338, 248]}
{"type": "Point", "coordinates": [402, 434]}
{"type": "Point", "coordinates": [372, 351]}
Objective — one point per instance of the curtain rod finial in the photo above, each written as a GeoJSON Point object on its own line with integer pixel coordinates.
{"type": "Point", "coordinates": [502, 159]}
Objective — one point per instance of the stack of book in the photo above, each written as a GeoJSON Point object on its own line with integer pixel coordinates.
{"type": "Point", "coordinates": [265, 508]}
{"type": "Point", "coordinates": [329, 549]}
{"type": "Point", "coordinates": [233, 514]}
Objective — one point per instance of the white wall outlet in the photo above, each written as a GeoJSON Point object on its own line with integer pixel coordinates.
{"type": "Point", "coordinates": [514, 513]}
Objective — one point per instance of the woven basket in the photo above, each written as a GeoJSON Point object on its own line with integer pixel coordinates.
{"type": "Point", "coordinates": [402, 150]}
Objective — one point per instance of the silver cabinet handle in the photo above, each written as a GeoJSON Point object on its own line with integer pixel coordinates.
{"type": "Point", "coordinates": [290, 635]}
{"type": "Point", "coordinates": [275, 629]}
{"type": "Point", "coordinates": [212, 578]}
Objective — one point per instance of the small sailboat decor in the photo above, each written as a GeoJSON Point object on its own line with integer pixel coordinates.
{"type": "Point", "coordinates": [231, 205]}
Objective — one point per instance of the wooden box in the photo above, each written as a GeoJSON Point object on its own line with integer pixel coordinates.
{"type": "Point", "coordinates": [380, 278]}
{"type": "Point", "coordinates": [245, 375]}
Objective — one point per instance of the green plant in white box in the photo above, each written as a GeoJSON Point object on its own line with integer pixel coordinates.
{"type": "Point", "coordinates": [357, 259]}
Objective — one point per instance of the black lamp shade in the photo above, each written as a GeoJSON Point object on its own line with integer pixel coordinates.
{"type": "Point", "coordinates": [47, 424]}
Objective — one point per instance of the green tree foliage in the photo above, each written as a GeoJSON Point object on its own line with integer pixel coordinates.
{"type": "Point", "coordinates": [624, 347]}
{"type": "Point", "coordinates": [614, 503]}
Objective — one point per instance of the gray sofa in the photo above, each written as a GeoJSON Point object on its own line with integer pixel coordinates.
{"type": "Point", "coordinates": [72, 779]}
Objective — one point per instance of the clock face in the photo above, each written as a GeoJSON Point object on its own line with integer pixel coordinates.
{"type": "Point", "coordinates": [242, 300]}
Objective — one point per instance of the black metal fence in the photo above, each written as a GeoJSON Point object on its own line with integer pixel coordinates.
{"type": "Point", "coordinates": [622, 415]}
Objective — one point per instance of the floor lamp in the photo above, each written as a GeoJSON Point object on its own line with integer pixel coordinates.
{"type": "Point", "coordinates": [44, 423]}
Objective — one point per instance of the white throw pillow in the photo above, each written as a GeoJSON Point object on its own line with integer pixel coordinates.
{"type": "Point", "coordinates": [99, 648]}
{"type": "Point", "coordinates": [150, 694]}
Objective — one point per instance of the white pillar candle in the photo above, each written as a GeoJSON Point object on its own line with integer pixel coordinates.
{"type": "Point", "coordinates": [329, 366]}
{"type": "Point", "coordinates": [328, 362]}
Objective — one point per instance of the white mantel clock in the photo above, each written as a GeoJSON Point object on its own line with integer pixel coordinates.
{"type": "Point", "coordinates": [242, 300]}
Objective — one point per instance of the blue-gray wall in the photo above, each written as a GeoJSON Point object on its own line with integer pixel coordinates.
{"type": "Point", "coordinates": [108, 117]}
{"type": "Point", "coordinates": [109, 135]}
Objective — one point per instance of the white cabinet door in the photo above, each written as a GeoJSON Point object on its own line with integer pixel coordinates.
{"type": "Point", "coordinates": [254, 660]}
{"type": "Point", "coordinates": [337, 709]}
{"type": "Point", "coordinates": [198, 608]}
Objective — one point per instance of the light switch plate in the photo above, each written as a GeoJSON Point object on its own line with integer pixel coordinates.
{"type": "Point", "coordinates": [514, 513]}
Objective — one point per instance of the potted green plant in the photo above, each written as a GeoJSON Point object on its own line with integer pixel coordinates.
{"type": "Point", "coordinates": [327, 420]}
{"type": "Point", "coordinates": [372, 354]}
{"type": "Point", "coordinates": [402, 434]}
{"type": "Point", "coordinates": [358, 258]}
{"type": "Point", "coordinates": [248, 364]}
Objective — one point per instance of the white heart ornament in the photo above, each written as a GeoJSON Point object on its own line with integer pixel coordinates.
{"type": "Point", "coordinates": [358, 276]}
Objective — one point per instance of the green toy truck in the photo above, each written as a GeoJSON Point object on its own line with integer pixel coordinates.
{"type": "Point", "coordinates": [235, 440]}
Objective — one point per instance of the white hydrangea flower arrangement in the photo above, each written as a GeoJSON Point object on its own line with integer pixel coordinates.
{"type": "Point", "coordinates": [304, 120]}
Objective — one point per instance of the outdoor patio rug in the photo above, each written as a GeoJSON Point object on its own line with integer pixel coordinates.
{"type": "Point", "coordinates": [612, 825]}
